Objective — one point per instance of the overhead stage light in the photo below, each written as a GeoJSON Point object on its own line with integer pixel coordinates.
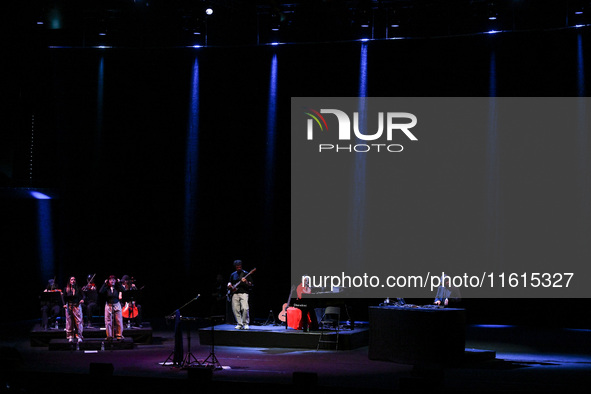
{"type": "Point", "coordinates": [209, 11]}
{"type": "Point", "coordinates": [578, 16]}
{"type": "Point", "coordinates": [40, 196]}
{"type": "Point", "coordinates": [492, 11]}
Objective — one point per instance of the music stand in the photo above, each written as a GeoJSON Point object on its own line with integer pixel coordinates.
{"type": "Point", "coordinates": [178, 345]}
{"type": "Point", "coordinates": [212, 360]}
{"type": "Point", "coordinates": [54, 297]}
{"type": "Point", "coordinates": [189, 357]}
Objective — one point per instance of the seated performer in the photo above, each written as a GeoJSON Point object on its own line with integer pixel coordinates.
{"type": "Point", "coordinates": [308, 320]}
{"type": "Point", "coordinates": [113, 290]}
{"type": "Point", "coordinates": [304, 287]}
{"type": "Point", "coordinates": [50, 305]}
{"type": "Point", "coordinates": [447, 293]}
{"type": "Point", "coordinates": [73, 299]}
{"type": "Point", "coordinates": [90, 306]}
{"type": "Point", "coordinates": [131, 310]}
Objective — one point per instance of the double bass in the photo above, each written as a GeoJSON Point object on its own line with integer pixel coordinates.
{"type": "Point", "coordinates": [130, 309]}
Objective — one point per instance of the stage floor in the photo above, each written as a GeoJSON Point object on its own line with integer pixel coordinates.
{"type": "Point", "coordinates": [527, 360]}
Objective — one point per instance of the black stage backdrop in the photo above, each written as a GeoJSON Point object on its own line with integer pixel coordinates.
{"type": "Point", "coordinates": [118, 169]}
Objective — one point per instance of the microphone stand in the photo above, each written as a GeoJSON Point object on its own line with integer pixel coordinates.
{"type": "Point", "coordinates": [171, 315]}
{"type": "Point", "coordinates": [212, 360]}
{"type": "Point", "coordinates": [189, 357]}
{"type": "Point", "coordinates": [113, 318]}
{"type": "Point", "coordinates": [112, 327]}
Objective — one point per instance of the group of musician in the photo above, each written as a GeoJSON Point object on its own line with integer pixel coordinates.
{"type": "Point", "coordinates": [240, 284]}
{"type": "Point", "coordinates": [80, 304]}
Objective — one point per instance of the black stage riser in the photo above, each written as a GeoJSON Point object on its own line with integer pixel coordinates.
{"type": "Point", "coordinates": [478, 355]}
{"type": "Point", "coordinates": [94, 344]}
{"type": "Point", "coordinates": [41, 338]}
{"type": "Point", "coordinates": [417, 335]}
{"type": "Point", "coordinates": [226, 335]}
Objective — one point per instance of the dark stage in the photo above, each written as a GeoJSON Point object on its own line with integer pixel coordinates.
{"type": "Point", "coordinates": [526, 361]}
{"type": "Point", "coordinates": [141, 139]}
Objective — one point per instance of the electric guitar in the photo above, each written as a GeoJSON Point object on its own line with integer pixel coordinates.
{"type": "Point", "coordinates": [232, 289]}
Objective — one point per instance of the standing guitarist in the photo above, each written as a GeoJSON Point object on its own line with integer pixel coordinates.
{"type": "Point", "coordinates": [238, 288]}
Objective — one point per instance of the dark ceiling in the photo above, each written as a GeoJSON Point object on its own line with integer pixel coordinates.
{"type": "Point", "coordinates": [172, 23]}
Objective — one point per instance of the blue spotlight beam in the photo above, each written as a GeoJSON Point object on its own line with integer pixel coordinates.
{"type": "Point", "coordinates": [269, 186]}
{"type": "Point", "coordinates": [358, 195]}
{"type": "Point", "coordinates": [493, 184]}
{"type": "Point", "coordinates": [191, 168]}
{"type": "Point", "coordinates": [99, 111]}
{"type": "Point", "coordinates": [45, 237]}
{"type": "Point", "coordinates": [271, 130]}
{"type": "Point", "coordinates": [582, 91]}
{"type": "Point", "coordinates": [583, 149]}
